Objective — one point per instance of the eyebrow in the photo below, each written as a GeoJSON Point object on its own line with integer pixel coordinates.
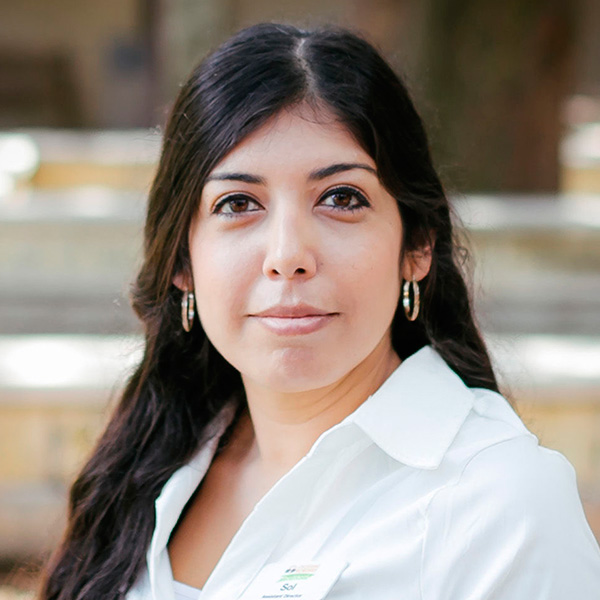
{"type": "Point", "coordinates": [339, 168]}
{"type": "Point", "coordinates": [317, 175]}
{"type": "Point", "coordinates": [243, 177]}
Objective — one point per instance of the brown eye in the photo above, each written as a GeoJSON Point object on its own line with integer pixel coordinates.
{"type": "Point", "coordinates": [344, 199]}
{"type": "Point", "coordinates": [232, 205]}
{"type": "Point", "coordinates": [238, 204]}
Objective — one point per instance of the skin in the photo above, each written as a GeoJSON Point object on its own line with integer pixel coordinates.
{"type": "Point", "coordinates": [269, 231]}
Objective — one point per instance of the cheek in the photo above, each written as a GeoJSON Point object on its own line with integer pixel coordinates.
{"type": "Point", "coordinates": [373, 268]}
{"type": "Point", "coordinates": [378, 288]}
{"type": "Point", "coordinates": [222, 280]}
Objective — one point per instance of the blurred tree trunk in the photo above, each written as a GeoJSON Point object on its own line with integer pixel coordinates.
{"type": "Point", "coordinates": [496, 75]}
{"type": "Point", "coordinates": [186, 30]}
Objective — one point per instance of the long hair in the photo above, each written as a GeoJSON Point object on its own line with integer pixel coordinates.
{"type": "Point", "coordinates": [182, 381]}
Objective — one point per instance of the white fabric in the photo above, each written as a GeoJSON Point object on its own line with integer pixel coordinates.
{"type": "Point", "coordinates": [430, 491]}
{"type": "Point", "coordinates": [185, 592]}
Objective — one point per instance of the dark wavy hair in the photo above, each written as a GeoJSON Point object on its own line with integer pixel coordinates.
{"type": "Point", "coordinates": [182, 381]}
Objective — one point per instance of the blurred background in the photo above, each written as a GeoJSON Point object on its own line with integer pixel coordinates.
{"type": "Point", "coordinates": [510, 92]}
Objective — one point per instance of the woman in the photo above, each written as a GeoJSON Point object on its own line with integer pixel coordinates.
{"type": "Point", "coordinates": [315, 413]}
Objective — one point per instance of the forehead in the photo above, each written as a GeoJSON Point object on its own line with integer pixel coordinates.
{"type": "Point", "coordinates": [300, 138]}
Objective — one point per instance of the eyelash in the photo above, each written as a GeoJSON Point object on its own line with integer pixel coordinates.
{"type": "Point", "coordinates": [347, 191]}
{"type": "Point", "coordinates": [229, 199]}
{"type": "Point", "coordinates": [341, 190]}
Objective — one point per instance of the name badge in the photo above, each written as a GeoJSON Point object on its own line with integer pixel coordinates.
{"type": "Point", "coordinates": [298, 581]}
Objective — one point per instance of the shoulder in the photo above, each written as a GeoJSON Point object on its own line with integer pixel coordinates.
{"type": "Point", "coordinates": [491, 430]}
{"type": "Point", "coordinates": [508, 516]}
{"type": "Point", "coordinates": [518, 476]}
{"type": "Point", "coordinates": [493, 439]}
{"type": "Point", "coordinates": [495, 459]}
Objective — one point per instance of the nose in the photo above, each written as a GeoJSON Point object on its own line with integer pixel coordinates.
{"type": "Point", "coordinates": [290, 251]}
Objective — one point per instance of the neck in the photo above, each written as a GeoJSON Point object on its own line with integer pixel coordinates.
{"type": "Point", "coordinates": [286, 425]}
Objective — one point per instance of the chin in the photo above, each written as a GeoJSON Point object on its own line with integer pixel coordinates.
{"type": "Point", "coordinates": [292, 370]}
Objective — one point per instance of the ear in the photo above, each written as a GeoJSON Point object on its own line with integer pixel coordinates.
{"type": "Point", "coordinates": [417, 263]}
{"type": "Point", "coordinates": [183, 281]}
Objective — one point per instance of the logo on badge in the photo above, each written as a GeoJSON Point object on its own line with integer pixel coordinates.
{"type": "Point", "coordinates": [299, 572]}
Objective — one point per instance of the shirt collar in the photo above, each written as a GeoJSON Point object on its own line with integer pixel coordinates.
{"type": "Point", "coordinates": [417, 412]}
{"type": "Point", "coordinates": [413, 417]}
{"type": "Point", "coordinates": [173, 498]}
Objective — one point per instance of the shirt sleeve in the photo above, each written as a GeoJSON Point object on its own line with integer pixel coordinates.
{"type": "Point", "coordinates": [511, 527]}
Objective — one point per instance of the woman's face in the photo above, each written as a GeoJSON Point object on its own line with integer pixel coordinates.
{"type": "Point", "coordinates": [295, 255]}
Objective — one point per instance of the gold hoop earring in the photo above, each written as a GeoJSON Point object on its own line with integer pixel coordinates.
{"type": "Point", "coordinates": [188, 310]}
{"type": "Point", "coordinates": [411, 315]}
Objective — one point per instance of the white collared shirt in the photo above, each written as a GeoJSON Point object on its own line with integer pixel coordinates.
{"type": "Point", "coordinates": [430, 490]}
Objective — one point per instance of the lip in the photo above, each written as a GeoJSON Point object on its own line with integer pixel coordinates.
{"type": "Point", "coordinates": [292, 310]}
{"type": "Point", "coordinates": [298, 319]}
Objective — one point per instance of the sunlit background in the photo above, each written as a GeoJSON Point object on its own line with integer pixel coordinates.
{"type": "Point", "coordinates": [510, 92]}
